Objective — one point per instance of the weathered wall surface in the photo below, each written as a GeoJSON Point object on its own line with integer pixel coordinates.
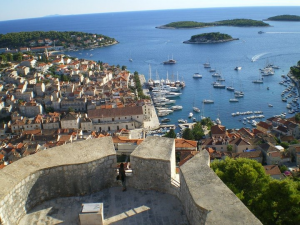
{"type": "Point", "coordinates": [69, 170]}
{"type": "Point", "coordinates": [153, 164]}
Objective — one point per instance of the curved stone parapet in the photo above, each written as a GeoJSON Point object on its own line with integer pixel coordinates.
{"type": "Point", "coordinates": [75, 169]}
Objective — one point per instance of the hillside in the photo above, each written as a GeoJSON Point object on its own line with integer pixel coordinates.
{"type": "Point", "coordinates": [207, 38]}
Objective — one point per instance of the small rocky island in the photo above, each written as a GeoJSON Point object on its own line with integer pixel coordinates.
{"type": "Point", "coordinates": [234, 22]}
{"type": "Point", "coordinates": [210, 38]}
{"type": "Point", "coordinates": [67, 40]}
{"type": "Point", "coordinates": [284, 18]}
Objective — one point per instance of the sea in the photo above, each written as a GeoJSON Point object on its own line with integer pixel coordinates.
{"type": "Point", "coordinates": [146, 45]}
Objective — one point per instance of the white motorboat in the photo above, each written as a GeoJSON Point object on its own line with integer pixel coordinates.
{"type": "Point", "coordinates": [196, 109]}
{"type": "Point", "coordinates": [182, 121]}
{"type": "Point", "coordinates": [197, 75]}
{"type": "Point", "coordinates": [208, 101]}
{"type": "Point", "coordinates": [215, 75]}
{"type": "Point", "coordinates": [218, 121]}
{"type": "Point", "coordinates": [206, 65]}
{"type": "Point", "coordinates": [176, 107]}
{"type": "Point", "coordinates": [230, 88]}
{"type": "Point", "coordinates": [233, 100]}
{"type": "Point", "coordinates": [238, 68]}
{"type": "Point", "coordinates": [212, 70]}
{"type": "Point", "coordinates": [258, 81]}
{"type": "Point", "coordinates": [218, 85]}
{"type": "Point", "coordinates": [270, 105]}
{"type": "Point", "coordinates": [191, 115]}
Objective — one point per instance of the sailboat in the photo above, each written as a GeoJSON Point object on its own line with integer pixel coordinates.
{"type": "Point", "coordinates": [259, 80]}
{"type": "Point", "coordinates": [197, 75]}
{"type": "Point", "coordinates": [130, 59]}
{"type": "Point", "coordinates": [196, 109]}
{"type": "Point", "coordinates": [170, 61]}
{"type": "Point", "coordinates": [150, 81]}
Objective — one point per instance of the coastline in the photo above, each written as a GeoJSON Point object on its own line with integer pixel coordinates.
{"type": "Point", "coordinates": [210, 42]}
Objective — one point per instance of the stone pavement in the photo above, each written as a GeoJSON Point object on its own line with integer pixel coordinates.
{"type": "Point", "coordinates": [133, 207]}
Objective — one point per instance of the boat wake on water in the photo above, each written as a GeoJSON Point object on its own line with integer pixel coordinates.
{"type": "Point", "coordinates": [282, 32]}
{"type": "Point", "coordinates": [256, 57]}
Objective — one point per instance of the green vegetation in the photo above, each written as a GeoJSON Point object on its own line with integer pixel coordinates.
{"type": "Point", "coordinates": [210, 37]}
{"type": "Point", "coordinates": [170, 134]}
{"type": "Point", "coordinates": [196, 133]}
{"type": "Point", "coordinates": [271, 201]}
{"type": "Point", "coordinates": [187, 24]}
{"type": "Point", "coordinates": [285, 18]}
{"type": "Point", "coordinates": [295, 70]}
{"type": "Point", "coordinates": [66, 38]}
{"type": "Point", "coordinates": [234, 22]}
{"type": "Point", "coordinates": [138, 86]}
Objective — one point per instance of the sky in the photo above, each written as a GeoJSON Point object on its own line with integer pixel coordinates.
{"type": "Point", "coordinates": [21, 9]}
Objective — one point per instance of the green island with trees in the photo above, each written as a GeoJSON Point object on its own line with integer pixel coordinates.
{"type": "Point", "coordinates": [234, 22]}
{"type": "Point", "coordinates": [284, 18]}
{"type": "Point", "coordinates": [207, 38]}
{"type": "Point", "coordinates": [295, 71]}
{"type": "Point", "coordinates": [67, 39]}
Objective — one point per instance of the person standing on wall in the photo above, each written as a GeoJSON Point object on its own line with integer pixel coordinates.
{"type": "Point", "coordinates": [122, 176]}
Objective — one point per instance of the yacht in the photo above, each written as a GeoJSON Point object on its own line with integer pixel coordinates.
{"type": "Point", "coordinates": [206, 65]}
{"type": "Point", "coordinates": [208, 101]}
{"type": "Point", "coordinates": [212, 70]}
{"type": "Point", "coordinates": [165, 120]}
{"type": "Point", "coordinates": [218, 85]}
{"type": "Point", "coordinates": [196, 109]}
{"type": "Point", "coordinates": [182, 121]}
{"type": "Point", "coordinates": [233, 100]}
{"type": "Point", "coordinates": [230, 88]}
{"type": "Point", "coordinates": [176, 107]}
{"type": "Point", "coordinates": [191, 115]}
{"type": "Point", "coordinates": [215, 75]}
{"type": "Point", "coordinates": [170, 61]}
{"type": "Point", "coordinates": [270, 105]}
{"type": "Point", "coordinates": [258, 81]}
{"type": "Point", "coordinates": [197, 75]}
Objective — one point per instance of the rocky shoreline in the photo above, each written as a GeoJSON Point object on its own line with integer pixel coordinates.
{"type": "Point", "coordinates": [209, 42]}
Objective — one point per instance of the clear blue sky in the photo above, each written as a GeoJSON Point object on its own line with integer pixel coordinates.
{"type": "Point", "coordinates": [19, 9]}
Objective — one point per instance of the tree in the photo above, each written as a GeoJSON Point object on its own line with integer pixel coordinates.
{"type": "Point", "coordinates": [49, 109]}
{"type": "Point", "coordinates": [297, 116]}
{"type": "Point", "coordinates": [270, 200]}
{"type": "Point", "coordinates": [197, 131]}
{"type": "Point", "coordinates": [283, 168]}
{"type": "Point", "coordinates": [229, 148]}
{"type": "Point", "coordinates": [187, 134]}
{"type": "Point", "coordinates": [245, 177]}
{"type": "Point", "coordinates": [71, 109]}
{"type": "Point", "coordinates": [285, 145]}
{"type": "Point", "coordinates": [279, 203]}
{"type": "Point", "coordinates": [124, 67]}
{"type": "Point", "coordinates": [170, 134]}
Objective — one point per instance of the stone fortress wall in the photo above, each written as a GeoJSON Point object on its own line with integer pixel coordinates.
{"type": "Point", "coordinates": [86, 167]}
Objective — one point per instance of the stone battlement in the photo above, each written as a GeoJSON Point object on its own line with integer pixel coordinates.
{"type": "Point", "coordinates": [87, 167]}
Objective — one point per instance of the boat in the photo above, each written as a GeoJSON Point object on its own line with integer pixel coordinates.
{"type": "Point", "coordinates": [206, 65]}
{"type": "Point", "coordinates": [261, 32]}
{"type": "Point", "coordinates": [130, 59]}
{"type": "Point", "coordinates": [197, 75]}
{"type": "Point", "coordinates": [218, 121]}
{"type": "Point", "coordinates": [233, 100]}
{"type": "Point", "coordinates": [215, 75]}
{"type": "Point", "coordinates": [191, 115]}
{"type": "Point", "coordinates": [170, 61]}
{"type": "Point", "coordinates": [218, 85]}
{"type": "Point", "coordinates": [238, 68]}
{"type": "Point", "coordinates": [164, 120]}
{"type": "Point", "coordinates": [220, 79]}
{"type": "Point", "coordinates": [212, 70]}
{"type": "Point", "coordinates": [182, 121]}
{"type": "Point", "coordinates": [208, 101]}
{"type": "Point", "coordinates": [196, 109]}
{"type": "Point", "coordinates": [176, 107]}
{"type": "Point", "coordinates": [194, 119]}
{"type": "Point", "coordinates": [270, 105]}
{"type": "Point", "coordinates": [230, 88]}
{"type": "Point", "coordinates": [258, 81]}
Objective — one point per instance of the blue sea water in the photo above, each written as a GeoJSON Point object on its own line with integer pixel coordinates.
{"type": "Point", "coordinates": [140, 40]}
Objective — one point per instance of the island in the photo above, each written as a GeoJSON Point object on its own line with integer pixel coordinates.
{"type": "Point", "coordinates": [284, 18]}
{"type": "Point", "coordinates": [234, 22]}
{"type": "Point", "coordinates": [209, 38]}
{"type": "Point", "coordinates": [54, 40]}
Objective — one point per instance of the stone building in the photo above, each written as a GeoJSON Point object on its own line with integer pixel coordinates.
{"type": "Point", "coordinates": [31, 109]}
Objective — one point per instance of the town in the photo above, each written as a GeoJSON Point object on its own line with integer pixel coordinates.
{"type": "Point", "coordinates": [50, 99]}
